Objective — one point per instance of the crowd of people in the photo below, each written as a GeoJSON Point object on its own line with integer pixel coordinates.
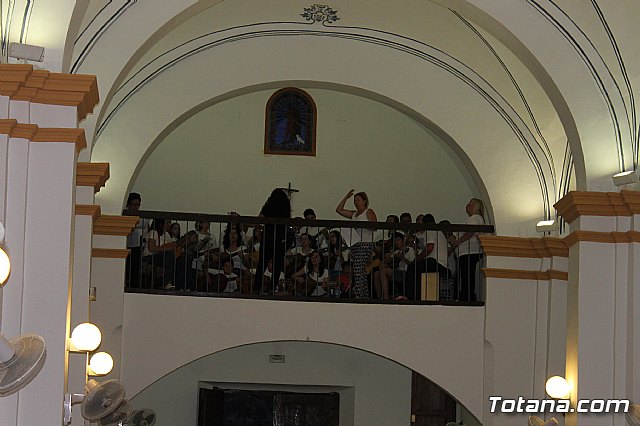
{"type": "Point", "coordinates": [311, 261]}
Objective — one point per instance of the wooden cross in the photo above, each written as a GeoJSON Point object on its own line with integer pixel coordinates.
{"type": "Point", "coordinates": [289, 190]}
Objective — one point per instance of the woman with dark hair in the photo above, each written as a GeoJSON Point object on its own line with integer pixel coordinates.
{"type": "Point", "coordinates": [362, 243]}
{"type": "Point", "coordinates": [313, 278]}
{"type": "Point", "coordinates": [273, 238]}
{"type": "Point", "coordinates": [231, 246]}
{"type": "Point", "coordinates": [337, 253]}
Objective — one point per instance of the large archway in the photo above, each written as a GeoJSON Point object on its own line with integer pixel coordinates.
{"type": "Point", "coordinates": [453, 106]}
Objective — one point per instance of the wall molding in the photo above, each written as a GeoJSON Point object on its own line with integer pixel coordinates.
{"type": "Point", "coordinates": [22, 83]}
{"type": "Point", "coordinates": [588, 203]}
{"type": "Point", "coordinates": [34, 133]}
{"type": "Point", "coordinates": [518, 274]}
{"type": "Point", "coordinates": [92, 174]}
{"type": "Point", "coordinates": [494, 245]}
{"type": "Point", "coordinates": [109, 253]}
{"type": "Point", "coordinates": [602, 237]}
{"type": "Point", "coordinates": [92, 210]}
{"type": "Point", "coordinates": [114, 225]}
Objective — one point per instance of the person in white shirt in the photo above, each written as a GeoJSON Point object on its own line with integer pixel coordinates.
{"type": "Point", "coordinates": [433, 257]}
{"type": "Point", "coordinates": [469, 253]}
{"type": "Point", "coordinates": [135, 241]}
{"type": "Point", "coordinates": [160, 252]}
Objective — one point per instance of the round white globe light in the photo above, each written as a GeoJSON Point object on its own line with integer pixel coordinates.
{"type": "Point", "coordinates": [86, 337]}
{"type": "Point", "coordinates": [5, 266]}
{"type": "Point", "coordinates": [100, 363]}
{"type": "Point", "coordinates": [558, 388]}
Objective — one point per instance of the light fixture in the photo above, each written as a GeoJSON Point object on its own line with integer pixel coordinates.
{"type": "Point", "coordinates": [625, 178]}
{"type": "Point", "coordinates": [85, 337]}
{"type": "Point", "coordinates": [5, 266]}
{"type": "Point", "coordinates": [547, 225]}
{"type": "Point", "coordinates": [100, 364]}
{"type": "Point", "coordinates": [557, 387]}
{"type": "Point", "coordinates": [26, 51]}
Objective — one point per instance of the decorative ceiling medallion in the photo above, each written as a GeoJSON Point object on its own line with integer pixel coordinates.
{"type": "Point", "coordinates": [320, 13]}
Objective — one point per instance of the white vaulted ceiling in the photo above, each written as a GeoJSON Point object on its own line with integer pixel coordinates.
{"type": "Point", "coordinates": [536, 96]}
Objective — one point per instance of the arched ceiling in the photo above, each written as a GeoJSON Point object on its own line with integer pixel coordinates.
{"type": "Point", "coordinates": [559, 75]}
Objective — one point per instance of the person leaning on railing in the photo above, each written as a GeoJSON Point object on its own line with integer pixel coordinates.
{"type": "Point", "coordinates": [469, 252]}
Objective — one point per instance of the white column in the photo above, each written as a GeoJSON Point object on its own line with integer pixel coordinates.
{"type": "Point", "coordinates": [107, 275]}
{"type": "Point", "coordinates": [17, 156]}
{"type": "Point", "coordinates": [600, 319]}
{"type": "Point", "coordinates": [47, 274]}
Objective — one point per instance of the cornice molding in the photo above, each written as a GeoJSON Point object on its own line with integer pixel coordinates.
{"type": "Point", "coordinates": [109, 253]}
{"type": "Point", "coordinates": [92, 174]}
{"type": "Point", "coordinates": [518, 274]}
{"type": "Point", "coordinates": [43, 134]}
{"type": "Point", "coordinates": [23, 83]}
{"type": "Point", "coordinates": [494, 245]}
{"type": "Point", "coordinates": [92, 210]}
{"type": "Point", "coordinates": [114, 225]}
{"type": "Point", "coordinates": [602, 237]}
{"type": "Point", "coordinates": [587, 203]}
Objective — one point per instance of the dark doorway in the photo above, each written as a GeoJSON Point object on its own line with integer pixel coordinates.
{"type": "Point", "coordinates": [430, 405]}
{"type": "Point", "coordinates": [230, 407]}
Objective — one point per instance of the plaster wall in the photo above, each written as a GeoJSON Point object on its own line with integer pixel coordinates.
{"type": "Point", "coordinates": [188, 325]}
{"type": "Point", "coordinates": [373, 390]}
{"type": "Point", "coordinates": [214, 162]}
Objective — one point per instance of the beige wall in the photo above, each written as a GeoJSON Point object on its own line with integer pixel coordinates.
{"type": "Point", "coordinates": [443, 343]}
{"type": "Point", "coordinates": [373, 390]}
{"type": "Point", "coordinates": [214, 162]}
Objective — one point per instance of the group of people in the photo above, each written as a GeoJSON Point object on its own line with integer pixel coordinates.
{"type": "Point", "coordinates": [275, 258]}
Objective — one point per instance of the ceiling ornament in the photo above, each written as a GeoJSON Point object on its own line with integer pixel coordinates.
{"type": "Point", "coordinates": [320, 13]}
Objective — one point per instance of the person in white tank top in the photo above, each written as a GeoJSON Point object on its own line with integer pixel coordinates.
{"type": "Point", "coordinates": [361, 239]}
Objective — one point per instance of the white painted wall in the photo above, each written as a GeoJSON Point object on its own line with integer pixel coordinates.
{"type": "Point", "coordinates": [214, 162]}
{"type": "Point", "coordinates": [373, 390]}
{"type": "Point", "coordinates": [443, 343]}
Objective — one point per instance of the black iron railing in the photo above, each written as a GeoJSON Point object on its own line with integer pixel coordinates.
{"type": "Point", "coordinates": [242, 256]}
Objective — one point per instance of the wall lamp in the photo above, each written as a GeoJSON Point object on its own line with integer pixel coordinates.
{"type": "Point", "coordinates": [86, 337]}
{"type": "Point", "coordinates": [547, 226]}
{"type": "Point", "coordinates": [100, 364]}
{"type": "Point", "coordinates": [557, 387]}
{"type": "Point", "coordinates": [5, 264]}
{"type": "Point", "coordinates": [625, 178]}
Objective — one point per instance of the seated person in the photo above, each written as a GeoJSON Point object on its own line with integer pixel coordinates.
{"type": "Point", "coordinates": [220, 281]}
{"type": "Point", "coordinates": [297, 257]}
{"type": "Point", "coordinates": [433, 258]}
{"type": "Point", "coordinates": [208, 243]}
{"type": "Point", "coordinates": [185, 256]}
{"type": "Point", "coordinates": [345, 279]}
{"type": "Point", "coordinates": [234, 249]}
{"type": "Point", "coordinates": [336, 253]}
{"type": "Point", "coordinates": [159, 253]}
{"type": "Point", "coordinates": [394, 268]}
{"type": "Point", "coordinates": [316, 235]}
{"type": "Point", "coordinates": [313, 278]}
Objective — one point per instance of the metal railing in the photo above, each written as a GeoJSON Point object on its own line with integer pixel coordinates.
{"type": "Point", "coordinates": [242, 256]}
